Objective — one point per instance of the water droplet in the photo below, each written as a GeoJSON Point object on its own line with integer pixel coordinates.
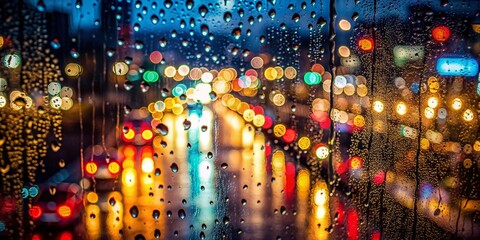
{"type": "Point", "coordinates": [296, 17]}
{"type": "Point", "coordinates": [162, 128]}
{"type": "Point", "coordinates": [55, 145]}
{"type": "Point", "coordinates": [224, 165]}
{"type": "Point", "coordinates": [111, 52]}
{"type": "Point", "coordinates": [181, 214]}
{"type": "Point", "coordinates": [144, 86]}
{"type": "Point", "coordinates": [283, 210]}
{"type": "Point", "coordinates": [112, 201]}
{"type": "Point", "coordinates": [127, 109]}
{"type": "Point", "coordinates": [128, 85]}
{"type": "Point", "coordinates": [204, 128]}
{"type": "Point", "coordinates": [93, 216]}
{"type": "Point", "coordinates": [203, 10]}
{"type": "Point", "coordinates": [259, 6]}
{"type": "Point", "coordinates": [154, 19]}
{"type": "Point", "coordinates": [168, 3]}
{"type": "Point", "coordinates": [272, 13]}
{"type": "Point", "coordinates": [40, 6]}
{"type": "Point", "coordinates": [236, 33]}
{"type": "Point", "coordinates": [227, 17]}
{"type": "Point", "coordinates": [189, 4]}
{"type": "Point", "coordinates": [158, 172]}
{"type": "Point", "coordinates": [186, 124]}
{"type": "Point", "coordinates": [53, 190]}
{"type": "Point", "coordinates": [210, 155]}
{"type": "Point", "coordinates": [244, 202]}
{"type": "Point", "coordinates": [226, 220]}
{"type": "Point", "coordinates": [204, 30]}
{"type": "Point", "coordinates": [174, 167]}
{"type": "Point", "coordinates": [169, 213]}
{"type": "Point", "coordinates": [162, 42]}
{"type": "Point", "coordinates": [355, 16]}
{"type": "Point", "coordinates": [202, 235]}
{"type": "Point", "coordinates": [156, 214]}
{"type": "Point", "coordinates": [134, 211]}
{"type": "Point", "coordinates": [321, 22]}
{"type": "Point", "coordinates": [139, 237]}
{"type": "Point", "coordinates": [157, 233]}
{"type": "Point", "coordinates": [61, 163]}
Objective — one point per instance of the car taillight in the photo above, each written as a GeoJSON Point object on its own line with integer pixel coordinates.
{"type": "Point", "coordinates": [35, 212]}
{"type": "Point", "coordinates": [147, 135]}
{"type": "Point", "coordinates": [113, 167]}
{"type": "Point", "coordinates": [64, 211]}
{"type": "Point", "coordinates": [91, 168]}
{"type": "Point", "coordinates": [128, 135]}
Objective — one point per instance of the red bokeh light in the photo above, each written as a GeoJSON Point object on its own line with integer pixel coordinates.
{"type": "Point", "coordinates": [35, 212]}
{"type": "Point", "coordinates": [366, 44]}
{"type": "Point", "coordinates": [289, 135]}
{"type": "Point", "coordinates": [441, 33]}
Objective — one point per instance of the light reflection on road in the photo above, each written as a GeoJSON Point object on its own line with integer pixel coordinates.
{"type": "Point", "coordinates": [222, 188]}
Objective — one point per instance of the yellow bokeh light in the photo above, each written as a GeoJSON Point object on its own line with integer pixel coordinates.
{"type": "Point", "coordinates": [304, 143]}
{"type": "Point", "coordinates": [114, 167]}
{"type": "Point", "coordinates": [270, 74]}
{"type": "Point", "coordinates": [432, 102]}
{"type": "Point", "coordinates": [242, 107]}
{"type": "Point", "coordinates": [147, 134]}
{"type": "Point", "coordinates": [401, 108]}
{"type": "Point", "coordinates": [248, 115]}
{"type": "Point", "coordinates": [476, 146]}
{"type": "Point", "coordinates": [344, 51]}
{"type": "Point", "coordinates": [290, 72]}
{"type": "Point", "coordinates": [170, 71]}
{"type": "Point", "coordinates": [359, 121]}
{"type": "Point", "coordinates": [322, 152]}
{"type": "Point", "coordinates": [91, 168]}
{"type": "Point", "coordinates": [303, 180]}
{"type": "Point", "coordinates": [128, 163]}
{"type": "Point", "coordinates": [74, 70]}
{"type": "Point", "coordinates": [468, 115]}
{"type": "Point", "coordinates": [183, 70]}
{"type": "Point", "coordinates": [207, 77]}
{"type": "Point", "coordinates": [258, 120]}
{"type": "Point", "coordinates": [378, 106]}
{"type": "Point", "coordinates": [195, 74]}
{"type": "Point", "coordinates": [177, 109]}
{"type": "Point", "coordinates": [256, 62]}
{"type": "Point", "coordinates": [279, 71]}
{"type": "Point", "coordinates": [278, 160]}
{"type": "Point", "coordinates": [429, 113]}
{"type": "Point", "coordinates": [92, 197]}
{"type": "Point", "coordinates": [457, 104]}
{"type": "Point", "coordinates": [130, 134]}
{"type": "Point", "coordinates": [424, 144]}
{"type": "Point", "coordinates": [147, 165]}
{"type": "Point", "coordinates": [278, 99]}
{"type": "Point", "coordinates": [169, 102]}
{"type": "Point", "coordinates": [120, 68]}
{"type": "Point", "coordinates": [279, 130]}
{"type": "Point", "coordinates": [321, 196]}
{"type": "Point", "coordinates": [344, 25]}
{"type": "Point", "coordinates": [129, 176]}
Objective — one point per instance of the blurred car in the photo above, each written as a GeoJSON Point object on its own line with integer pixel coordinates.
{"type": "Point", "coordinates": [58, 205]}
{"type": "Point", "coordinates": [137, 132]}
{"type": "Point", "coordinates": [100, 168]}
